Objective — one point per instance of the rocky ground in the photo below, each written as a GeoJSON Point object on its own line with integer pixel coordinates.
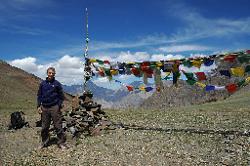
{"type": "Point", "coordinates": [145, 139]}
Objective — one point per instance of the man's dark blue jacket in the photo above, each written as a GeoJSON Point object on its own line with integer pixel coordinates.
{"type": "Point", "coordinates": [50, 93]}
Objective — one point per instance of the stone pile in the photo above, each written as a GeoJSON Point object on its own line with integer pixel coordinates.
{"type": "Point", "coordinates": [86, 117]}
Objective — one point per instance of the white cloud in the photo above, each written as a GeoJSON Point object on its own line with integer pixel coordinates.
{"type": "Point", "coordinates": [70, 62]}
{"type": "Point", "coordinates": [182, 48]}
{"type": "Point", "coordinates": [198, 26]}
{"type": "Point", "coordinates": [27, 64]}
{"type": "Point", "coordinates": [130, 57]}
{"type": "Point", "coordinates": [69, 70]}
{"type": "Point", "coordinates": [158, 57]}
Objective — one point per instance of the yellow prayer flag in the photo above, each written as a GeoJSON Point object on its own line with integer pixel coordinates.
{"type": "Point", "coordinates": [92, 60]}
{"type": "Point", "coordinates": [114, 72]}
{"type": "Point", "coordinates": [158, 64]}
{"type": "Point", "coordinates": [248, 79]}
{"type": "Point", "coordinates": [200, 84]}
{"type": "Point", "coordinates": [238, 71]}
{"type": "Point", "coordinates": [168, 73]}
{"type": "Point", "coordinates": [196, 63]}
{"type": "Point", "coordinates": [131, 63]}
{"type": "Point", "coordinates": [142, 88]}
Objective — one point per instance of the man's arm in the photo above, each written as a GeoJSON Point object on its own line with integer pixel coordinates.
{"type": "Point", "coordinates": [60, 95]}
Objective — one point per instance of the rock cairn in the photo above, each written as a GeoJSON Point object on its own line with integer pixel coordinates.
{"type": "Point", "coordinates": [86, 117]}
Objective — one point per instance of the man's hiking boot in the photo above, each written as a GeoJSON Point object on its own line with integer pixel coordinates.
{"type": "Point", "coordinates": [44, 144]}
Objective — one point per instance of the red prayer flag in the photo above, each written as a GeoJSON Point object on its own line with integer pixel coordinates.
{"type": "Point", "coordinates": [145, 64]}
{"type": "Point", "coordinates": [106, 61]}
{"type": "Point", "coordinates": [231, 88]}
{"type": "Point", "coordinates": [129, 87]}
{"type": "Point", "coordinates": [135, 71]}
{"type": "Point", "coordinates": [101, 73]}
{"type": "Point", "coordinates": [144, 68]}
{"type": "Point", "coordinates": [201, 76]}
{"type": "Point", "coordinates": [230, 58]}
{"type": "Point", "coordinates": [248, 51]}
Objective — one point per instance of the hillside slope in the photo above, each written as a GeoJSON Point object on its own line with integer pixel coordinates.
{"type": "Point", "coordinates": [185, 94]}
{"type": "Point", "coordinates": [18, 89]}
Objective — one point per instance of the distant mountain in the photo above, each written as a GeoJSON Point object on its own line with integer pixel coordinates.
{"type": "Point", "coordinates": [111, 98]}
{"type": "Point", "coordinates": [100, 92]}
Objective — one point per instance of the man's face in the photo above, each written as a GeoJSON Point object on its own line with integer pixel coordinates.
{"type": "Point", "coordinates": [51, 74]}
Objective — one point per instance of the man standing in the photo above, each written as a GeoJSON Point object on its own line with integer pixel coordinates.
{"type": "Point", "coordinates": [49, 103]}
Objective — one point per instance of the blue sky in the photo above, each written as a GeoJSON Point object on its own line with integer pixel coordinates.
{"type": "Point", "coordinates": [36, 34]}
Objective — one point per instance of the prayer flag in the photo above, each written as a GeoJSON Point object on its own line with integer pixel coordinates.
{"type": "Point", "coordinates": [142, 88]}
{"type": "Point", "coordinates": [210, 87]}
{"type": "Point", "coordinates": [200, 84]}
{"type": "Point", "coordinates": [129, 87]}
{"type": "Point", "coordinates": [201, 76]}
{"type": "Point", "coordinates": [159, 64]}
{"type": "Point", "coordinates": [101, 73]}
{"type": "Point", "coordinates": [190, 76]}
{"type": "Point", "coordinates": [225, 73]}
{"type": "Point", "coordinates": [219, 87]}
{"type": "Point", "coordinates": [230, 58]}
{"type": "Point", "coordinates": [197, 63]}
{"type": "Point", "coordinates": [238, 71]}
{"type": "Point", "coordinates": [241, 83]}
{"type": "Point", "coordinates": [231, 88]}
{"type": "Point", "coordinates": [107, 72]}
{"type": "Point", "coordinates": [248, 79]}
{"type": "Point", "coordinates": [100, 62]}
{"type": "Point", "coordinates": [208, 61]}
{"type": "Point", "coordinates": [148, 89]}
{"type": "Point", "coordinates": [244, 58]}
{"type": "Point", "coordinates": [187, 63]}
{"type": "Point", "coordinates": [118, 81]}
{"type": "Point", "coordinates": [114, 72]}
{"type": "Point", "coordinates": [191, 81]}
{"type": "Point", "coordinates": [247, 68]}
{"type": "Point", "coordinates": [106, 62]}
{"type": "Point", "coordinates": [135, 71]}
{"type": "Point", "coordinates": [92, 60]}
{"type": "Point", "coordinates": [121, 71]}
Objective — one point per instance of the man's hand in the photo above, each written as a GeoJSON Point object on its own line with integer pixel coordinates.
{"type": "Point", "coordinates": [39, 110]}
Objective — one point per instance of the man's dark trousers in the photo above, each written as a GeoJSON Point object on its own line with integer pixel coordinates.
{"type": "Point", "coordinates": [55, 114]}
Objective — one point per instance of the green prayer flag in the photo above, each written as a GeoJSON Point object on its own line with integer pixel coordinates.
{"type": "Point", "coordinates": [244, 58]}
{"type": "Point", "coordinates": [191, 81]}
{"type": "Point", "coordinates": [247, 68]}
{"type": "Point", "coordinates": [190, 76]}
{"type": "Point", "coordinates": [241, 83]}
{"type": "Point", "coordinates": [100, 62]}
{"type": "Point", "coordinates": [166, 78]}
{"type": "Point", "coordinates": [107, 72]}
{"type": "Point", "coordinates": [187, 63]}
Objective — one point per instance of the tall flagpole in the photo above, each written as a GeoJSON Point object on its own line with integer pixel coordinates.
{"type": "Point", "coordinates": [87, 35]}
{"type": "Point", "coordinates": [87, 70]}
{"type": "Point", "coordinates": [86, 74]}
